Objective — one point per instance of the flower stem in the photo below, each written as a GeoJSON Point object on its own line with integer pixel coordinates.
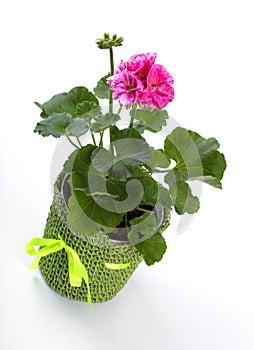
{"type": "Point", "coordinates": [111, 73]}
{"type": "Point", "coordinates": [132, 113]}
{"type": "Point", "coordinates": [78, 140]}
{"type": "Point", "coordinates": [126, 221]}
{"type": "Point", "coordinates": [144, 210]}
{"type": "Point", "coordinates": [94, 142]}
{"type": "Point", "coordinates": [73, 144]}
{"type": "Point", "coordinates": [119, 110]}
{"type": "Point", "coordinates": [160, 171]}
{"type": "Point", "coordinates": [101, 139]}
{"type": "Point", "coordinates": [110, 93]}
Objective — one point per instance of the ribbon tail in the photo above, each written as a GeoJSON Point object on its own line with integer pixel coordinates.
{"type": "Point", "coordinates": [85, 277]}
{"type": "Point", "coordinates": [74, 268]}
{"type": "Point", "coordinates": [35, 263]}
{"type": "Point", "coordinates": [77, 271]}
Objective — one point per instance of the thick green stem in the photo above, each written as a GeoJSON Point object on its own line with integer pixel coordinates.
{"type": "Point", "coordinates": [73, 144]}
{"type": "Point", "coordinates": [111, 73]}
{"type": "Point", "coordinates": [110, 94]}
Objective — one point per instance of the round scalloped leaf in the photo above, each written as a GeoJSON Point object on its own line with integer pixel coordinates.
{"type": "Point", "coordinates": [55, 125]}
{"type": "Point", "coordinates": [102, 88]}
{"type": "Point", "coordinates": [77, 127]}
{"type": "Point", "coordinates": [69, 102]}
{"type": "Point", "coordinates": [153, 120]}
{"type": "Point", "coordinates": [196, 158]}
{"type": "Point", "coordinates": [153, 248]}
{"type": "Point", "coordinates": [182, 198]}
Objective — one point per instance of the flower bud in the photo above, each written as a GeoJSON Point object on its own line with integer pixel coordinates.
{"type": "Point", "coordinates": [107, 42]}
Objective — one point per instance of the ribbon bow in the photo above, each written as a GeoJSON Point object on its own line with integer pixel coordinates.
{"type": "Point", "coordinates": [77, 270]}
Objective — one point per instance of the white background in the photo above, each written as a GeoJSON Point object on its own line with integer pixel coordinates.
{"type": "Point", "coordinates": [201, 295]}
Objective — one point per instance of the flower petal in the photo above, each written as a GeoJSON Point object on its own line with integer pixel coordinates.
{"type": "Point", "coordinates": [141, 64]}
{"type": "Point", "coordinates": [125, 86]}
{"type": "Point", "coordinates": [159, 97]}
{"type": "Point", "coordinates": [158, 75]}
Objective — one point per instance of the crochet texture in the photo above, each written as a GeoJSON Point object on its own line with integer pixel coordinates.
{"type": "Point", "coordinates": [94, 252]}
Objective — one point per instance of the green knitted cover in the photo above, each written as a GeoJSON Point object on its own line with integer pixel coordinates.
{"type": "Point", "coordinates": [104, 283]}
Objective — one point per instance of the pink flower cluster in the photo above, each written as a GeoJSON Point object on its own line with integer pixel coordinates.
{"type": "Point", "coordinates": [141, 80]}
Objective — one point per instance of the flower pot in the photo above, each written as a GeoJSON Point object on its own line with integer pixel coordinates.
{"type": "Point", "coordinates": [94, 251]}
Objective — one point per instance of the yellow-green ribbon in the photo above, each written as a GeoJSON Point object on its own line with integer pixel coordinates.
{"type": "Point", "coordinates": [77, 270]}
{"type": "Point", "coordinates": [113, 266]}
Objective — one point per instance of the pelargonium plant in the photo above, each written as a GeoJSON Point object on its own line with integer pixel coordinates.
{"type": "Point", "coordinates": [113, 186]}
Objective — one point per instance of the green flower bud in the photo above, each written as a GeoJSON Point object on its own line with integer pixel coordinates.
{"type": "Point", "coordinates": [107, 42]}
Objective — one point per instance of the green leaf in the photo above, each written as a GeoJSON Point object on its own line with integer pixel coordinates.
{"type": "Point", "coordinates": [43, 113]}
{"type": "Point", "coordinates": [174, 175]}
{"type": "Point", "coordinates": [54, 125]}
{"type": "Point", "coordinates": [210, 180]}
{"type": "Point", "coordinates": [102, 122]}
{"type": "Point", "coordinates": [163, 197]}
{"type": "Point", "coordinates": [150, 186]}
{"type": "Point", "coordinates": [152, 249]}
{"type": "Point", "coordinates": [154, 193]}
{"type": "Point", "coordinates": [102, 160]}
{"type": "Point", "coordinates": [77, 127]}
{"type": "Point", "coordinates": [107, 164]}
{"type": "Point", "coordinates": [68, 165]}
{"type": "Point", "coordinates": [102, 88]}
{"type": "Point", "coordinates": [183, 199]}
{"type": "Point", "coordinates": [78, 219]}
{"type": "Point", "coordinates": [139, 127]}
{"type": "Point", "coordinates": [153, 120]}
{"type": "Point", "coordinates": [68, 102]}
{"type": "Point", "coordinates": [120, 171]}
{"type": "Point", "coordinates": [144, 226]}
{"type": "Point", "coordinates": [130, 149]}
{"type": "Point", "coordinates": [158, 159]}
{"type": "Point", "coordinates": [117, 134]}
{"type": "Point", "coordinates": [214, 164]}
{"type": "Point", "coordinates": [90, 197]}
{"type": "Point", "coordinates": [204, 145]}
{"type": "Point", "coordinates": [81, 162]}
{"type": "Point", "coordinates": [54, 105]}
{"type": "Point", "coordinates": [180, 146]}
{"type": "Point", "coordinates": [196, 158]}
{"type": "Point", "coordinates": [129, 145]}
{"type": "Point", "coordinates": [80, 94]}
{"type": "Point", "coordinates": [87, 110]}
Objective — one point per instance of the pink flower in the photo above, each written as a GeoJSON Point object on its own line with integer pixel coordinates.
{"type": "Point", "coordinates": [141, 64]}
{"type": "Point", "coordinates": [138, 64]}
{"type": "Point", "coordinates": [125, 86]}
{"type": "Point", "coordinates": [122, 66]}
{"type": "Point", "coordinates": [160, 88]}
{"type": "Point", "coordinates": [141, 80]}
